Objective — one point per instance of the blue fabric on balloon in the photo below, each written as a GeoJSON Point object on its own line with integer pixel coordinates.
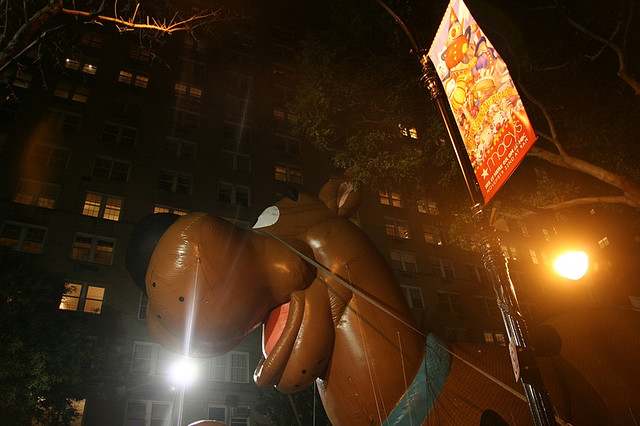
{"type": "Point", "coordinates": [419, 399]}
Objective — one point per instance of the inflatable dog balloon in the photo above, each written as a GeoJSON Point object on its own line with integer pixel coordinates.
{"type": "Point", "coordinates": [217, 282]}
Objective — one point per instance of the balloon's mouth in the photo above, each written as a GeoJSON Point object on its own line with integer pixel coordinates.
{"type": "Point", "coordinates": [297, 341]}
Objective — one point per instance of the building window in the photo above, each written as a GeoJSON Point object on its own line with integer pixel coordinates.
{"type": "Point", "coordinates": [144, 357]}
{"type": "Point", "coordinates": [23, 237]}
{"type": "Point", "coordinates": [140, 54]}
{"type": "Point", "coordinates": [103, 206]}
{"type": "Point", "coordinates": [36, 193]}
{"type": "Point", "coordinates": [77, 92]}
{"type": "Point", "coordinates": [171, 181]}
{"type": "Point", "coordinates": [22, 78]}
{"type": "Point", "coordinates": [239, 416]}
{"type": "Point", "coordinates": [165, 209]}
{"type": "Point", "coordinates": [289, 174]}
{"type": "Point", "coordinates": [117, 135]}
{"type": "Point", "coordinates": [443, 268]}
{"type": "Point", "coordinates": [408, 132]}
{"type": "Point", "coordinates": [91, 248]}
{"type": "Point", "coordinates": [491, 307]}
{"type": "Point", "coordinates": [500, 339]}
{"type": "Point", "coordinates": [236, 109]}
{"type": "Point", "coordinates": [185, 122]}
{"type": "Point", "coordinates": [143, 304]}
{"type": "Point", "coordinates": [404, 261]}
{"type": "Point", "coordinates": [390, 198]}
{"type": "Point", "coordinates": [546, 234]}
{"type": "Point", "coordinates": [186, 90]}
{"type": "Point", "coordinates": [286, 145]}
{"type": "Point", "coordinates": [181, 149]}
{"type": "Point", "coordinates": [82, 297]}
{"type": "Point", "coordinates": [397, 228]}
{"type": "Point", "coordinates": [231, 367]}
{"type": "Point", "coordinates": [78, 65]}
{"type": "Point", "coordinates": [237, 161]}
{"type": "Point", "coordinates": [54, 157]}
{"type": "Point", "coordinates": [449, 303]}
{"type": "Point", "coordinates": [130, 78]}
{"type": "Point", "coordinates": [534, 257]}
{"type": "Point", "coordinates": [524, 230]}
{"type": "Point", "coordinates": [432, 235]}
{"type": "Point", "coordinates": [283, 120]}
{"type": "Point", "coordinates": [427, 207]}
{"type": "Point", "coordinates": [413, 295]}
{"type": "Point", "coordinates": [148, 413]}
{"type": "Point", "coordinates": [235, 138]}
{"type": "Point", "coordinates": [513, 253]}
{"type": "Point", "coordinates": [233, 194]}
{"type": "Point", "coordinates": [218, 412]}
{"type": "Point", "coordinates": [604, 242]}
{"type": "Point", "coordinates": [488, 337]}
{"type": "Point", "coordinates": [111, 169]}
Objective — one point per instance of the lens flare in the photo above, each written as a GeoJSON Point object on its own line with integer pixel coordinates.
{"type": "Point", "coordinates": [183, 372]}
{"type": "Point", "coordinates": [572, 265]}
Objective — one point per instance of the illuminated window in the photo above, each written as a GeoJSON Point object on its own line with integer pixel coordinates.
{"type": "Point", "coordinates": [533, 256]}
{"type": "Point", "coordinates": [546, 234]}
{"type": "Point", "coordinates": [233, 194]}
{"type": "Point", "coordinates": [78, 406]}
{"type": "Point", "coordinates": [22, 237]}
{"type": "Point", "coordinates": [82, 297]}
{"type": "Point", "coordinates": [72, 64]}
{"type": "Point", "coordinates": [184, 89]}
{"type": "Point", "coordinates": [165, 209]}
{"type": "Point", "coordinates": [111, 169]}
{"type": "Point", "coordinates": [289, 174]}
{"type": "Point", "coordinates": [604, 242]}
{"type": "Point", "coordinates": [141, 81]}
{"type": "Point", "coordinates": [89, 69]}
{"type": "Point", "coordinates": [35, 193]}
{"type": "Point", "coordinates": [408, 132]}
{"type": "Point", "coordinates": [125, 77]}
{"type": "Point", "coordinates": [390, 198]}
{"type": "Point", "coordinates": [488, 337]}
{"type": "Point", "coordinates": [413, 295]}
{"type": "Point", "coordinates": [524, 230]}
{"type": "Point", "coordinates": [92, 248]}
{"type": "Point", "coordinates": [404, 261]}
{"type": "Point", "coordinates": [397, 228]}
{"type": "Point", "coordinates": [131, 78]}
{"type": "Point", "coordinates": [104, 206]}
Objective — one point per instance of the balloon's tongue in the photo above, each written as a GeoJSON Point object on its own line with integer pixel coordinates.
{"type": "Point", "coordinates": [273, 327]}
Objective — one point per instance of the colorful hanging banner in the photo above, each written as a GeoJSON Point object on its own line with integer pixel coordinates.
{"type": "Point", "coordinates": [488, 110]}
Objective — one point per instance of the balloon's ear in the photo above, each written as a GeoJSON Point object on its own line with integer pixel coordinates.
{"type": "Point", "coordinates": [340, 196]}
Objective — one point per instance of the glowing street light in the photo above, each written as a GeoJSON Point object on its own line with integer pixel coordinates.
{"type": "Point", "coordinates": [183, 372]}
{"type": "Point", "coordinates": [572, 265]}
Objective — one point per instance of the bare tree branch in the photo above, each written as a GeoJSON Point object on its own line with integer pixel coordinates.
{"type": "Point", "coordinates": [150, 23]}
{"type": "Point", "coordinates": [26, 32]}
{"type": "Point", "coordinates": [614, 199]}
{"type": "Point", "coordinates": [604, 46]}
{"type": "Point", "coordinates": [553, 137]}
{"type": "Point", "coordinates": [622, 65]}
{"type": "Point", "coordinates": [631, 190]}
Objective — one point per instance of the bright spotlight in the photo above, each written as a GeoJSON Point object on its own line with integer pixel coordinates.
{"type": "Point", "coordinates": [572, 265]}
{"type": "Point", "coordinates": [183, 372]}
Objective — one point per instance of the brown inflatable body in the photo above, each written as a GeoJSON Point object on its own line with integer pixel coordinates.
{"type": "Point", "coordinates": [314, 328]}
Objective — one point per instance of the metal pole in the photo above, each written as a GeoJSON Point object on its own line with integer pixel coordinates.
{"type": "Point", "coordinates": [522, 358]}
